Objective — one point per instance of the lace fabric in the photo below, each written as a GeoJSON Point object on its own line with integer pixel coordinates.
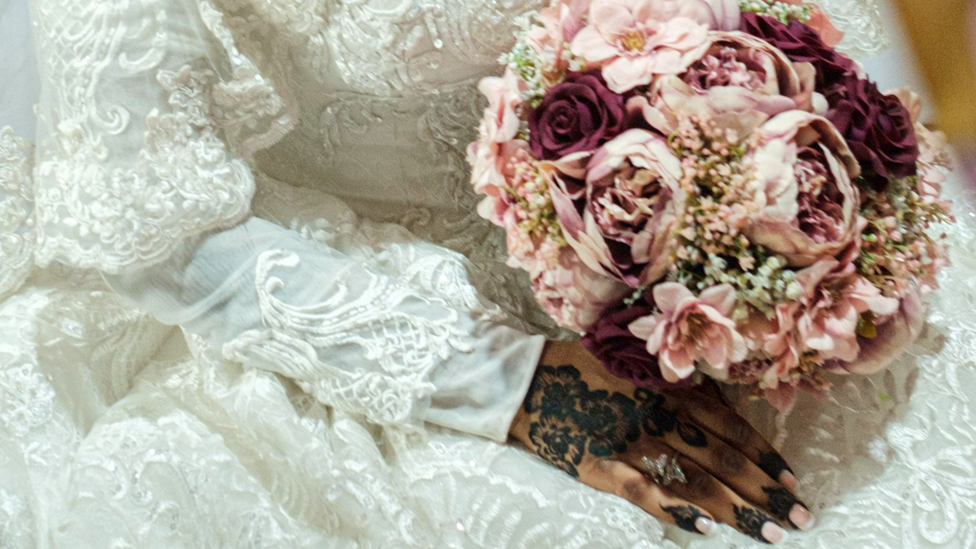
{"type": "Point", "coordinates": [114, 434]}
{"type": "Point", "coordinates": [120, 183]}
{"type": "Point", "coordinates": [16, 211]}
{"type": "Point", "coordinates": [196, 451]}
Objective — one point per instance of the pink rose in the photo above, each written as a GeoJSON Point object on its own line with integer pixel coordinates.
{"type": "Point", "coordinates": [690, 328]}
{"type": "Point", "coordinates": [499, 125]}
{"type": "Point", "coordinates": [634, 40]}
{"type": "Point", "coordinates": [621, 221]}
{"type": "Point", "coordinates": [739, 76]}
{"type": "Point", "coordinates": [810, 203]}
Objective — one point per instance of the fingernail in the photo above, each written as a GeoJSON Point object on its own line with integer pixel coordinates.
{"type": "Point", "coordinates": [705, 526]}
{"type": "Point", "coordinates": [787, 479]}
{"type": "Point", "coordinates": [801, 517]}
{"type": "Point", "coordinates": [772, 533]}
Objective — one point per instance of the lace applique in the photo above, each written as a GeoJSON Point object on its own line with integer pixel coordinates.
{"type": "Point", "coordinates": [16, 210]}
{"type": "Point", "coordinates": [388, 47]}
{"type": "Point", "coordinates": [16, 520]}
{"type": "Point", "coordinates": [442, 206]}
{"type": "Point", "coordinates": [404, 347]}
{"type": "Point", "coordinates": [102, 204]}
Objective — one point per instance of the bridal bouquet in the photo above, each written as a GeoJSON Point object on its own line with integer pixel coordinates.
{"type": "Point", "coordinates": [709, 188]}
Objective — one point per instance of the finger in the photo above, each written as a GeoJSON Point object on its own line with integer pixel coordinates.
{"type": "Point", "coordinates": [709, 388]}
{"type": "Point", "coordinates": [724, 423]}
{"type": "Point", "coordinates": [731, 467]}
{"type": "Point", "coordinates": [620, 479]}
{"type": "Point", "coordinates": [723, 503]}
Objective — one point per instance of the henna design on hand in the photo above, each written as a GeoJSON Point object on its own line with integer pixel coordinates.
{"type": "Point", "coordinates": [571, 420]}
{"type": "Point", "coordinates": [684, 516]}
{"type": "Point", "coordinates": [773, 464]}
{"type": "Point", "coordinates": [781, 502]}
{"type": "Point", "coordinates": [750, 522]}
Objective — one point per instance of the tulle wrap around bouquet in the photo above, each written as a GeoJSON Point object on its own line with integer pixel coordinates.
{"type": "Point", "coordinates": [709, 188]}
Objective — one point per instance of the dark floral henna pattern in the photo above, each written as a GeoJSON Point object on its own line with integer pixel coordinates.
{"type": "Point", "coordinates": [773, 464]}
{"type": "Point", "coordinates": [781, 501]}
{"type": "Point", "coordinates": [684, 516]}
{"type": "Point", "coordinates": [559, 442]}
{"type": "Point", "coordinates": [658, 420]}
{"type": "Point", "coordinates": [750, 522]}
{"type": "Point", "coordinates": [570, 420]}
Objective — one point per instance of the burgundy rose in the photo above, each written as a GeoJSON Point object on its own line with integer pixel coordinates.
{"type": "Point", "coordinates": [877, 127]}
{"type": "Point", "coordinates": [624, 355]}
{"type": "Point", "coordinates": [578, 114]}
{"type": "Point", "coordinates": [801, 44]}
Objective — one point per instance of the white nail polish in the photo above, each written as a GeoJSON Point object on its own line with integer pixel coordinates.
{"type": "Point", "coordinates": [787, 479]}
{"type": "Point", "coordinates": [705, 526]}
{"type": "Point", "coordinates": [801, 517]}
{"type": "Point", "coordinates": [772, 533]}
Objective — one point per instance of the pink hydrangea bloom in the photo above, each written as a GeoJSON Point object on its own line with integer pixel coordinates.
{"type": "Point", "coordinates": [634, 40]}
{"type": "Point", "coordinates": [691, 328]}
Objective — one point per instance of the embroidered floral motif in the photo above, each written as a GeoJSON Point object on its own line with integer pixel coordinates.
{"type": "Point", "coordinates": [16, 210]}
{"type": "Point", "coordinates": [102, 204]}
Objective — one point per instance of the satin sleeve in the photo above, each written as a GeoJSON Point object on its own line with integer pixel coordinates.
{"type": "Point", "coordinates": [147, 123]}
{"type": "Point", "coordinates": [361, 330]}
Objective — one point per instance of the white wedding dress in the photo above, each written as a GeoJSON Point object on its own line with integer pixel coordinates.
{"type": "Point", "coordinates": [284, 180]}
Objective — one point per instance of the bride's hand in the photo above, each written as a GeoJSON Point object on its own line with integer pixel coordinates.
{"type": "Point", "coordinates": [599, 429]}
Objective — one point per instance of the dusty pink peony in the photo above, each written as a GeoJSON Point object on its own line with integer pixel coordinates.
{"type": "Point", "coordinates": [690, 328]}
{"type": "Point", "coordinates": [719, 15]}
{"type": "Point", "coordinates": [561, 20]}
{"type": "Point", "coordinates": [621, 221]}
{"type": "Point", "coordinates": [740, 77]}
{"type": "Point", "coordinates": [722, 15]}
{"type": "Point", "coordinates": [634, 40]}
{"type": "Point", "coordinates": [499, 126]}
{"type": "Point", "coordinates": [572, 294]}
{"type": "Point", "coordinates": [893, 336]}
{"type": "Point", "coordinates": [811, 205]}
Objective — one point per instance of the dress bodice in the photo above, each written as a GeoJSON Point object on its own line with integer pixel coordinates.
{"type": "Point", "coordinates": [386, 102]}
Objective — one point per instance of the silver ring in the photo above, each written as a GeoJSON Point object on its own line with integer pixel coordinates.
{"type": "Point", "coordinates": [664, 470]}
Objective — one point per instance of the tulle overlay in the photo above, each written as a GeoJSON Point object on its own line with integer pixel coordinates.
{"type": "Point", "coordinates": [118, 431]}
